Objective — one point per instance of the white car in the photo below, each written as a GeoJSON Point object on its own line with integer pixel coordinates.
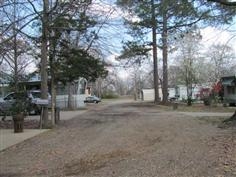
{"type": "Point", "coordinates": [32, 96]}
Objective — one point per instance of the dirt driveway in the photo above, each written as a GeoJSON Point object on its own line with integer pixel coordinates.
{"type": "Point", "coordinates": [126, 140]}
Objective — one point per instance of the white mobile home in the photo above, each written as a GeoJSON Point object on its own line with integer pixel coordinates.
{"type": "Point", "coordinates": [179, 92]}
{"type": "Point", "coordinates": [78, 89]}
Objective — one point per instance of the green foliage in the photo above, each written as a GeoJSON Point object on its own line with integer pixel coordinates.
{"type": "Point", "coordinates": [207, 101]}
{"type": "Point", "coordinates": [134, 51]}
{"type": "Point", "coordinates": [219, 14]}
{"type": "Point", "coordinates": [110, 95]}
{"type": "Point", "coordinates": [189, 101]}
{"type": "Point", "coordinates": [180, 14]}
{"type": "Point", "coordinates": [74, 63]}
{"type": "Point", "coordinates": [21, 104]}
{"type": "Point", "coordinates": [72, 30]}
{"type": "Point", "coordinates": [64, 22]}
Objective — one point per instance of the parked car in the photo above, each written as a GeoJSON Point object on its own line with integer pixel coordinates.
{"type": "Point", "coordinates": [31, 96]}
{"type": "Point", "coordinates": [92, 99]}
{"type": "Point", "coordinates": [172, 99]}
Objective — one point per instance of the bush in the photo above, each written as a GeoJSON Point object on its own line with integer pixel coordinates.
{"type": "Point", "coordinates": [21, 104]}
{"type": "Point", "coordinates": [207, 101]}
{"type": "Point", "coordinates": [109, 96]}
{"type": "Point", "coordinates": [189, 101]}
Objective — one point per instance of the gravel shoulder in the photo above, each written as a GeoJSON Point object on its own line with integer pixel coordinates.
{"type": "Point", "coordinates": [125, 140]}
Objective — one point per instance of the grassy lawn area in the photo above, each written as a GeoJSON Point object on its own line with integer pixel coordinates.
{"type": "Point", "coordinates": [182, 107]}
{"type": "Point", "coordinates": [198, 107]}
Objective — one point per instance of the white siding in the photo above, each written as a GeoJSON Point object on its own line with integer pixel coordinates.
{"type": "Point", "coordinates": [78, 101]}
{"type": "Point", "coordinates": [149, 95]}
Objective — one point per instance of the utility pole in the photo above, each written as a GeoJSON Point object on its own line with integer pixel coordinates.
{"type": "Point", "coordinates": [154, 48]}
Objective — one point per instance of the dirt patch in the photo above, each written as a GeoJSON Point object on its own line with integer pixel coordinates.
{"type": "Point", "coordinates": [10, 175]}
{"type": "Point", "coordinates": [228, 124]}
{"type": "Point", "coordinates": [94, 162]}
{"type": "Point", "coordinates": [225, 146]}
{"type": "Point", "coordinates": [131, 140]}
{"type": "Point", "coordinates": [28, 124]}
{"type": "Point", "coordinates": [140, 104]}
{"type": "Point", "coordinates": [118, 114]}
{"type": "Point", "coordinates": [216, 121]}
{"type": "Point", "coordinates": [152, 141]}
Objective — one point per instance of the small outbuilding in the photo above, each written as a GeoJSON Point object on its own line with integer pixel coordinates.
{"type": "Point", "coordinates": [229, 89]}
{"type": "Point", "coordinates": [149, 94]}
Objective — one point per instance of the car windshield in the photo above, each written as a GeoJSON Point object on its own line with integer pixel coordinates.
{"type": "Point", "coordinates": [36, 94]}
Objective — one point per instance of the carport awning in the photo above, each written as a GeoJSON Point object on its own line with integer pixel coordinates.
{"type": "Point", "coordinates": [228, 82]}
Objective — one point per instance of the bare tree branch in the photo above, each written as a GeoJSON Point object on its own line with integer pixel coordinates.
{"type": "Point", "coordinates": [224, 2]}
{"type": "Point", "coordinates": [34, 8]}
{"type": "Point", "coordinates": [94, 38]}
{"type": "Point", "coordinates": [18, 30]}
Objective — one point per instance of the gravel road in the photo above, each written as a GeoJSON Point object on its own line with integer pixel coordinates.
{"type": "Point", "coordinates": [125, 140]}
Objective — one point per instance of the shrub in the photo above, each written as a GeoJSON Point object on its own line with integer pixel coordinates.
{"type": "Point", "coordinates": [109, 96]}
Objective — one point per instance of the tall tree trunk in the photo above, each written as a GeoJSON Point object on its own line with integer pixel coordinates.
{"type": "Point", "coordinates": [44, 62]}
{"type": "Point", "coordinates": [16, 74]}
{"type": "Point", "coordinates": [99, 87]}
{"type": "Point", "coordinates": [154, 46]}
{"type": "Point", "coordinates": [52, 58]}
{"type": "Point", "coordinates": [135, 87]}
{"type": "Point", "coordinates": [52, 82]}
{"type": "Point", "coordinates": [53, 99]}
{"type": "Point", "coordinates": [189, 82]}
{"type": "Point", "coordinates": [165, 58]}
{"type": "Point", "coordinates": [189, 95]}
{"type": "Point", "coordinates": [70, 96]}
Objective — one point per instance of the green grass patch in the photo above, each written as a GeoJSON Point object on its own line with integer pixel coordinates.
{"type": "Point", "coordinates": [202, 108]}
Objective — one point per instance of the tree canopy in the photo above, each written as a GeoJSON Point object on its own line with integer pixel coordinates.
{"type": "Point", "coordinates": [166, 18]}
{"type": "Point", "coordinates": [73, 63]}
